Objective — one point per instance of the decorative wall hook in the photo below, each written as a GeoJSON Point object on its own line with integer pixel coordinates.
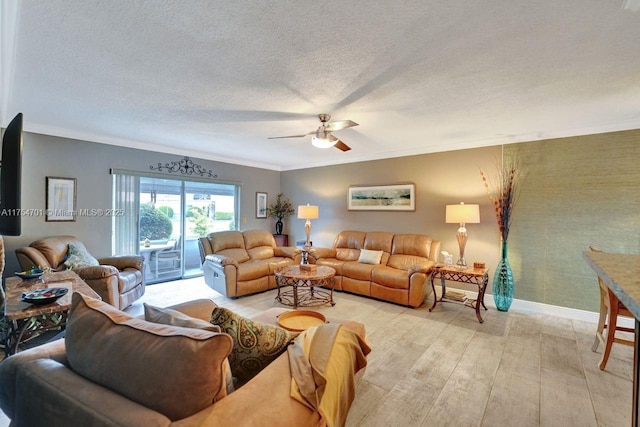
{"type": "Point", "coordinates": [185, 167]}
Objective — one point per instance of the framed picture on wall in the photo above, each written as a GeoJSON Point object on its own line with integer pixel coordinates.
{"type": "Point", "coordinates": [261, 205]}
{"type": "Point", "coordinates": [397, 197]}
{"type": "Point", "coordinates": [61, 199]}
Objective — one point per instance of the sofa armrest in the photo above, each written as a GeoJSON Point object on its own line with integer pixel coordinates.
{"type": "Point", "coordinates": [50, 394]}
{"type": "Point", "coordinates": [318, 253]}
{"type": "Point", "coordinates": [221, 259]}
{"type": "Point", "coordinates": [9, 367]}
{"type": "Point", "coordinates": [96, 272]}
{"type": "Point", "coordinates": [29, 257]}
{"type": "Point", "coordinates": [124, 261]}
{"type": "Point", "coordinates": [286, 251]}
{"type": "Point", "coordinates": [421, 268]}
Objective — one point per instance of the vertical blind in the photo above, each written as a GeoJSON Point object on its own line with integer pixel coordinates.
{"type": "Point", "coordinates": [126, 202]}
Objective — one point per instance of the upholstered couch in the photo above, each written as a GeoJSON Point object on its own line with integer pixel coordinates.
{"type": "Point", "coordinates": [38, 387]}
{"type": "Point", "coordinates": [119, 280]}
{"type": "Point", "coordinates": [239, 263]}
{"type": "Point", "coordinates": [382, 265]}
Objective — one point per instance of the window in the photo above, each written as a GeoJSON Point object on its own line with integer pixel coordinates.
{"type": "Point", "coordinates": [163, 217]}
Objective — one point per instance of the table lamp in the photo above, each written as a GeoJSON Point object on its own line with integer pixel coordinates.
{"type": "Point", "coordinates": [307, 212]}
{"type": "Point", "coordinates": [462, 214]}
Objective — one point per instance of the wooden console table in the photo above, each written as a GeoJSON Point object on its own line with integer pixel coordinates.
{"type": "Point", "coordinates": [621, 274]}
{"type": "Point", "coordinates": [26, 320]}
{"type": "Point", "coordinates": [473, 276]}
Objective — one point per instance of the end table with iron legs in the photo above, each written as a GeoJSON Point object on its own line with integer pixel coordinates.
{"type": "Point", "coordinates": [473, 276]}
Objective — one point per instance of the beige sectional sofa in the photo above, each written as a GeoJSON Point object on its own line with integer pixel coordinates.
{"type": "Point", "coordinates": [239, 263]}
{"type": "Point", "coordinates": [382, 265]}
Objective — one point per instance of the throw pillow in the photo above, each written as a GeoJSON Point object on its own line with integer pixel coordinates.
{"type": "Point", "coordinates": [78, 258]}
{"type": "Point", "coordinates": [173, 370]}
{"type": "Point", "coordinates": [370, 257]}
{"type": "Point", "coordinates": [168, 316]}
{"type": "Point", "coordinates": [255, 344]}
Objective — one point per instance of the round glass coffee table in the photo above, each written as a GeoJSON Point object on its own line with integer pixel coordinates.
{"type": "Point", "coordinates": [308, 287]}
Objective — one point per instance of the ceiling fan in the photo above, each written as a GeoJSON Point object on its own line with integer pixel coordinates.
{"type": "Point", "coordinates": [322, 137]}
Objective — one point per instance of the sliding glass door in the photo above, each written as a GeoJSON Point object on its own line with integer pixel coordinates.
{"type": "Point", "coordinates": [171, 214]}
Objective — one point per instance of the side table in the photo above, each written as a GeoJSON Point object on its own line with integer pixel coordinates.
{"type": "Point", "coordinates": [281, 239]}
{"type": "Point", "coordinates": [474, 276]}
{"type": "Point", "coordinates": [26, 320]}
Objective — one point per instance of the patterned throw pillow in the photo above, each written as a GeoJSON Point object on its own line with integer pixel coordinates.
{"type": "Point", "coordinates": [79, 258]}
{"type": "Point", "coordinates": [255, 344]}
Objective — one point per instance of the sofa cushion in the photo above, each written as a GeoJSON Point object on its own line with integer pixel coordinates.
{"type": "Point", "coordinates": [404, 262]}
{"type": "Point", "coordinates": [412, 244]}
{"type": "Point", "coordinates": [78, 257]}
{"type": "Point", "coordinates": [229, 244]}
{"type": "Point", "coordinates": [251, 270]}
{"type": "Point", "coordinates": [259, 243]}
{"type": "Point", "coordinates": [167, 316]}
{"type": "Point", "coordinates": [370, 257]}
{"type": "Point", "coordinates": [346, 254]}
{"type": "Point", "coordinates": [390, 277]}
{"type": "Point", "coordinates": [334, 263]}
{"type": "Point", "coordinates": [378, 241]}
{"type": "Point", "coordinates": [255, 345]}
{"type": "Point", "coordinates": [357, 270]}
{"type": "Point", "coordinates": [350, 239]}
{"type": "Point", "coordinates": [173, 370]}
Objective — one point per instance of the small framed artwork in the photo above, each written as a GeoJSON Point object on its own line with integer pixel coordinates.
{"type": "Point", "coordinates": [398, 197]}
{"type": "Point", "coordinates": [61, 199]}
{"type": "Point", "coordinates": [261, 205]}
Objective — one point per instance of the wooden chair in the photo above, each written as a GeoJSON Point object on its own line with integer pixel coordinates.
{"type": "Point", "coordinates": [610, 307]}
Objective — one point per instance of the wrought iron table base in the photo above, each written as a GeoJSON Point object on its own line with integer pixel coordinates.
{"type": "Point", "coordinates": [305, 293]}
{"type": "Point", "coordinates": [479, 277]}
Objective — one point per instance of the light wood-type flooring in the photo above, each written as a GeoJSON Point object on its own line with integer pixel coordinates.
{"type": "Point", "coordinates": [445, 369]}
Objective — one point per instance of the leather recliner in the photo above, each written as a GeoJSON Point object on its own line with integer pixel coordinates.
{"type": "Point", "coordinates": [119, 280]}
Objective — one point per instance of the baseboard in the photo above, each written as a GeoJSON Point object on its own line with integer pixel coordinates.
{"type": "Point", "coordinates": [524, 306]}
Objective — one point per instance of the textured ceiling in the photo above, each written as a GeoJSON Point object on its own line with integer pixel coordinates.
{"type": "Point", "coordinates": [214, 79]}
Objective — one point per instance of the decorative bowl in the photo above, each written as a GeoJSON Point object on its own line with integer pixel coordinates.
{"type": "Point", "coordinates": [299, 320]}
{"type": "Point", "coordinates": [34, 273]}
{"type": "Point", "coordinates": [43, 296]}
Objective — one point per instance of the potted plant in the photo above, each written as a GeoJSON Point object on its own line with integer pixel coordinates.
{"type": "Point", "coordinates": [281, 209]}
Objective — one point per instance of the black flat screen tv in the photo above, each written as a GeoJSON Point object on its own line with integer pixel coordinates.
{"type": "Point", "coordinates": [10, 178]}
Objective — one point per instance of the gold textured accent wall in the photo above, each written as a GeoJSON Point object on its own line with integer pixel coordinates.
{"type": "Point", "coordinates": [578, 191]}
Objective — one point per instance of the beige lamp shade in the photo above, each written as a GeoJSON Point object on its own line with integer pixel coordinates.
{"type": "Point", "coordinates": [463, 214]}
{"type": "Point", "coordinates": [307, 212]}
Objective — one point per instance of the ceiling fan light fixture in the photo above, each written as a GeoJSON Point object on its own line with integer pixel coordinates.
{"type": "Point", "coordinates": [323, 140]}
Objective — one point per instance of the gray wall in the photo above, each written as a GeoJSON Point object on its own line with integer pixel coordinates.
{"type": "Point", "coordinates": [440, 179]}
{"type": "Point", "coordinates": [578, 191]}
{"type": "Point", "coordinates": [90, 163]}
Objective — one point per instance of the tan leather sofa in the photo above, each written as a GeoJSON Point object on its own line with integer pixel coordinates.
{"type": "Point", "coordinates": [239, 263]}
{"type": "Point", "coordinates": [38, 388]}
{"type": "Point", "coordinates": [402, 274]}
{"type": "Point", "coordinates": [119, 280]}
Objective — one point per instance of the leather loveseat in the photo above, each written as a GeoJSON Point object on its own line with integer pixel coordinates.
{"type": "Point", "coordinates": [382, 265]}
{"type": "Point", "coordinates": [38, 387]}
{"type": "Point", "coordinates": [119, 280]}
{"type": "Point", "coordinates": [239, 263]}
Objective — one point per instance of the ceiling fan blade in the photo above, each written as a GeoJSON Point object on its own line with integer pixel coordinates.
{"type": "Point", "coordinates": [292, 136]}
{"type": "Point", "coordinates": [341, 124]}
{"type": "Point", "coordinates": [342, 146]}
